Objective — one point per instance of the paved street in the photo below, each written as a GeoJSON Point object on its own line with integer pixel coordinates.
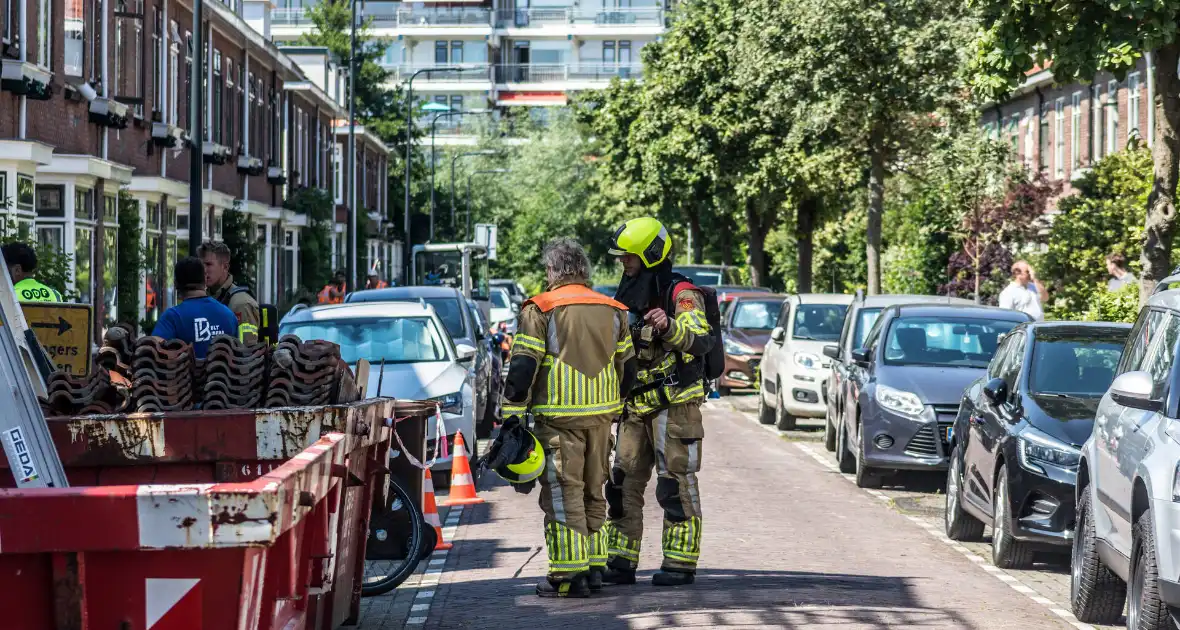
{"type": "Point", "coordinates": [789, 543]}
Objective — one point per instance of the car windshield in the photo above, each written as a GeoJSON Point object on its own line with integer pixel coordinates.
{"type": "Point", "coordinates": [500, 298]}
{"type": "Point", "coordinates": [944, 341]}
{"type": "Point", "coordinates": [865, 318]}
{"type": "Point", "coordinates": [1080, 366]}
{"type": "Point", "coordinates": [756, 315]}
{"type": "Point", "coordinates": [377, 340]}
{"type": "Point", "coordinates": [701, 277]}
{"type": "Point", "coordinates": [819, 322]}
{"type": "Point", "coordinates": [447, 309]}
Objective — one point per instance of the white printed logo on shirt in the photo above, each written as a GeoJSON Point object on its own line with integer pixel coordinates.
{"type": "Point", "coordinates": [201, 330]}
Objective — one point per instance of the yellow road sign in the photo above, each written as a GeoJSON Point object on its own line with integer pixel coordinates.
{"type": "Point", "coordinates": [64, 331]}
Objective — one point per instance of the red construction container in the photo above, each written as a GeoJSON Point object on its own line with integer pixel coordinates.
{"type": "Point", "coordinates": [246, 520]}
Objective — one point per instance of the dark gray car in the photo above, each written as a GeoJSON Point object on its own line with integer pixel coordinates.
{"type": "Point", "coordinates": [906, 382]}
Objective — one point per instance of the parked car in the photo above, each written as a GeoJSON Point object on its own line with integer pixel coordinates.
{"type": "Point", "coordinates": [1015, 442]}
{"type": "Point", "coordinates": [492, 349]}
{"type": "Point", "coordinates": [709, 275]}
{"type": "Point", "coordinates": [459, 317]}
{"type": "Point", "coordinates": [608, 290]}
{"type": "Point", "coordinates": [503, 312]}
{"type": "Point", "coordinates": [906, 382]}
{"type": "Point", "coordinates": [411, 357]}
{"type": "Point", "coordinates": [1128, 491]}
{"type": "Point", "coordinates": [794, 369]}
{"type": "Point", "coordinates": [515, 291]}
{"type": "Point", "coordinates": [745, 328]}
{"type": "Point", "coordinates": [861, 316]}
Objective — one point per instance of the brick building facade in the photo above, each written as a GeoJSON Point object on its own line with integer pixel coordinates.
{"type": "Point", "coordinates": [95, 100]}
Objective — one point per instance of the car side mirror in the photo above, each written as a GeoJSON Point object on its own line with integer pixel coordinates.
{"type": "Point", "coordinates": [465, 352]}
{"type": "Point", "coordinates": [996, 391]}
{"type": "Point", "coordinates": [778, 334]}
{"type": "Point", "coordinates": [832, 351]}
{"type": "Point", "coordinates": [515, 307]}
{"type": "Point", "coordinates": [862, 355]}
{"type": "Point", "coordinates": [1134, 390]}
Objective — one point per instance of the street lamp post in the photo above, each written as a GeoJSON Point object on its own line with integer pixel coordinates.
{"type": "Point", "coordinates": [455, 159]}
{"type": "Point", "coordinates": [491, 170]}
{"type": "Point", "coordinates": [197, 129]}
{"type": "Point", "coordinates": [350, 263]}
{"type": "Point", "coordinates": [409, 153]}
{"type": "Point", "coordinates": [432, 162]}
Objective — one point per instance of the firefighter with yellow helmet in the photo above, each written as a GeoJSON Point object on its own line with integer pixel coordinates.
{"type": "Point", "coordinates": [661, 426]}
{"type": "Point", "coordinates": [571, 359]}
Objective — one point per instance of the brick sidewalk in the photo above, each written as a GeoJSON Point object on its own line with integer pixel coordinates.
{"type": "Point", "coordinates": [785, 546]}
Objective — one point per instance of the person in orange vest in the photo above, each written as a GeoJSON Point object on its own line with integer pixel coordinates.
{"type": "Point", "coordinates": [572, 361]}
{"type": "Point", "coordinates": [374, 281]}
{"type": "Point", "coordinates": [333, 292]}
{"type": "Point", "coordinates": [149, 293]}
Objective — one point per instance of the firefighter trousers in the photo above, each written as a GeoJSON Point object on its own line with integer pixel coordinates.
{"type": "Point", "coordinates": [669, 441]}
{"type": "Point", "coordinates": [576, 465]}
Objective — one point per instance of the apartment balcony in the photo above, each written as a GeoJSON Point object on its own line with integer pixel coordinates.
{"type": "Point", "coordinates": [575, 21]}
{"type": "Point", "coordinates": [432, 21]}
{"type": "Point", "coordinates": [564, 76]}
{"type": "Point", "coordinates": [473, 77]}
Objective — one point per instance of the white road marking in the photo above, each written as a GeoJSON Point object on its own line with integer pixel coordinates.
{"type": "Point", "coordinates": [428, 580]}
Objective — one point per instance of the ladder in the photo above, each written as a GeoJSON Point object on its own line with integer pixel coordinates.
{"type": "Point", "coordinates": [24, 434]}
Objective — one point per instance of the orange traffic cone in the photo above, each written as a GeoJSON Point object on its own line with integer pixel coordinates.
{"type": "Point", "coordinates": [462, 483]}
{"type": "Point", "coordinates": [430, 512]}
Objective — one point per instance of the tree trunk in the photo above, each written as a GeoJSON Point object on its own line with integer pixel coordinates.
{"type": "Point", "coordinates": [978, 258]}
{"type": "Point", "coordinates": [1160, 226]}
{"type": "Point", "coordinates": [694, 228]}
{"type": "Point", "coordinates": [755, 238]}
{"type": "Point", "coordinates": [876, 209]}
{"type": "Point", "coordinates": [725, 218]}
{"type": "Point", "coordinates": [805, 216]}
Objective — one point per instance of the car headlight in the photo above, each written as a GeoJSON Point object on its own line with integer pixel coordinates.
{"type": "Point", "coordinates": [1037, 448]}
{"type": "Point", "coordinates": [807, 360]}
{"type": "Point", "coordinates": [905, 403]}
{"type": "Point", "coordinates": [735, 347]}
{"type": "Point", "coordinates": [451, 403]}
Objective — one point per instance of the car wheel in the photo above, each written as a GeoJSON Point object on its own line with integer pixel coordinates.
{"type": "Point", "coordinates": [865, 476]}
{"type": "Point", "coordinates": [829, 436]}
{"type": "Point", "coordinates": [1007, 552]}
{"type": "Point", "coordinates": [765, 413]}
{"type": "Point", "coordinates": [843, 454]}
{"type": "Point", "coordinates": [784, 421]}
{"type": "Point", "coordinates": [1096, 594]}
{"type": "Point", "coordinates": [1145, 611]}
{"type": "Point", "coordinates": [959, 524]}
{"type": "Point", "coordinates": [723, 390]}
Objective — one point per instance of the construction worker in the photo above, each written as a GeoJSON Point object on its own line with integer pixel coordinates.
{"type": "Point", "coordinates": [220, 285]}
{"type": "Point", "coordinates": [333, 292]}
{"type": "Point", "coordinates": [198, 318]}
{"type": "Point", "coordinates": [374, 280]}
{"type": "Point", "coordinates": [661, 425]}
{"type": "Point", "coordinates": [571, 360]}
{"type": "Point", "coordinates": [22, 262]}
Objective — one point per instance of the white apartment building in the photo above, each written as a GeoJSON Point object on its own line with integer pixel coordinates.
{"type": "Point", "coordinates": [510, 52]}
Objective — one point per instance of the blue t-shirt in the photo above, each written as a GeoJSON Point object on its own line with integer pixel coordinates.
{"type": "Point", "coordinates": [197, 321]}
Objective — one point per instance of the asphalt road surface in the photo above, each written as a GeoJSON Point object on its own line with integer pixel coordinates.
{"type": "Point", "coordinates": [788, 542]}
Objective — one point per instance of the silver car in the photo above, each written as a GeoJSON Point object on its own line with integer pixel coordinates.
{"type": "Point", "coordinates": [411, 357]}
{"type": "Point", "coordinates": [1127, 536]}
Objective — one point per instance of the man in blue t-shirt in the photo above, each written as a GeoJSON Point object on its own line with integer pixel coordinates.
{"type": "Point", "coordinates": [198, 318]}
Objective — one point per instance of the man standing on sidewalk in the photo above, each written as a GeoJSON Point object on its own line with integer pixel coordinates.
{"type": "Point", "coordinates": [662, 425]}
{"type": "Point", "coordinates": [220, 285]}
{"type": "Point", "coordinates": [1025, 293]}
{"type": "Point", "coordinates": [571, 360]}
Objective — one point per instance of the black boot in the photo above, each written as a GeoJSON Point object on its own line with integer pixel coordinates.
{"type": "Point", "coordinates": [576, 587]}
{"type": "Point", "coordinates": [672, 577]}
{"type": "Point", "coordinates": [618, 572]}
{"type": "Point", "coordinates": [595, 578]}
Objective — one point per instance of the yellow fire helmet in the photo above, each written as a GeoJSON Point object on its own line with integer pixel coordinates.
{"type": "Point", "coordinates": [645, 237]}
{"type": "Point", "coordinates": [517, 455]}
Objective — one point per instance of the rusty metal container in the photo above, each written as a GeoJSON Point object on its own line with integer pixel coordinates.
{"type": "Point", "coordinates": [198, 520]}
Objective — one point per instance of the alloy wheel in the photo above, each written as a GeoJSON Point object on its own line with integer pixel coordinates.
{"type": "Point", "coordinates": [952, 490]}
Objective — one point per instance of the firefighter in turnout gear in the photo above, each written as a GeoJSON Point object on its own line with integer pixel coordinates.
{"type": "Point", "coordinates": [661, 426]}
{"type": "Point", "coordinates": [571, 359]}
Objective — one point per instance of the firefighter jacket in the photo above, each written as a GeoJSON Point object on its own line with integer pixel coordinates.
{"type": "Point", "coordinates": [244, 306]}
{"type": "Point", "coordinates": [671, 365]}
{"type": "Point", "coordinates": [570, 358]}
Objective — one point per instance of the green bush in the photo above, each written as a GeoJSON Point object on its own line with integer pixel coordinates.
{"type": "Point", "coordinates": [132, 260]}
{"type": "Point", "coordinates": [315, 241]}
{"type": "Point", "coordinates": [1117, 306]}
{"type": "Point", "coordinates": [239, 235]}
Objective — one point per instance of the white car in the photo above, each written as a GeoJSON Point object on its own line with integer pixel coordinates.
{"type": "Point", "coordinates": [794, 368]}
{"type": "Point", "coordinates": [411, 357]}
{"type": "Point", "coordinates": [504, 311]}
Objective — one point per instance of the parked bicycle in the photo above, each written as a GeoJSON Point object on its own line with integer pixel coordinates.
{"type": "Point", "coordinates": [399, 539]}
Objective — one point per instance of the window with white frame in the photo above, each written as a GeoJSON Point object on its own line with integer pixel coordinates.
{"type": "Point", "coordinates": [1133, 104]}
{"type": "Point", "coordinates": [44, 33]}
{"type": "Point", "coordinates": [128, 75]}
{"type": "Point", "coordinates": [173, 74]}
{"type": "Point", "coordinates": [338, 172]}
{"type": "Point", "coordinates": [1029, 142]}
{"type": "Point", "coordinates": [1096, 107]}
{"type": "Point", "coordinates": [217, 95]}
{"type": "Point", "coordinates": [1059, 137]}
{"type": "Point", "coordinates": [1075, 129]}
{"type": "Point", "coordinates": [1112, 117]}
{"type": "Point", "coordinates": [160, 60]}
{"type": "Point", "coordinates": [74, 36]}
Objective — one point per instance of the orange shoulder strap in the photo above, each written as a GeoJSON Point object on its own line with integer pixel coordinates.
{"type": "Point", "coordinates": [572, 294]}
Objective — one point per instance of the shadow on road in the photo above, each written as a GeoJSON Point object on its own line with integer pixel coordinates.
{"type": "Point", "coordinates": [719, 599]}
